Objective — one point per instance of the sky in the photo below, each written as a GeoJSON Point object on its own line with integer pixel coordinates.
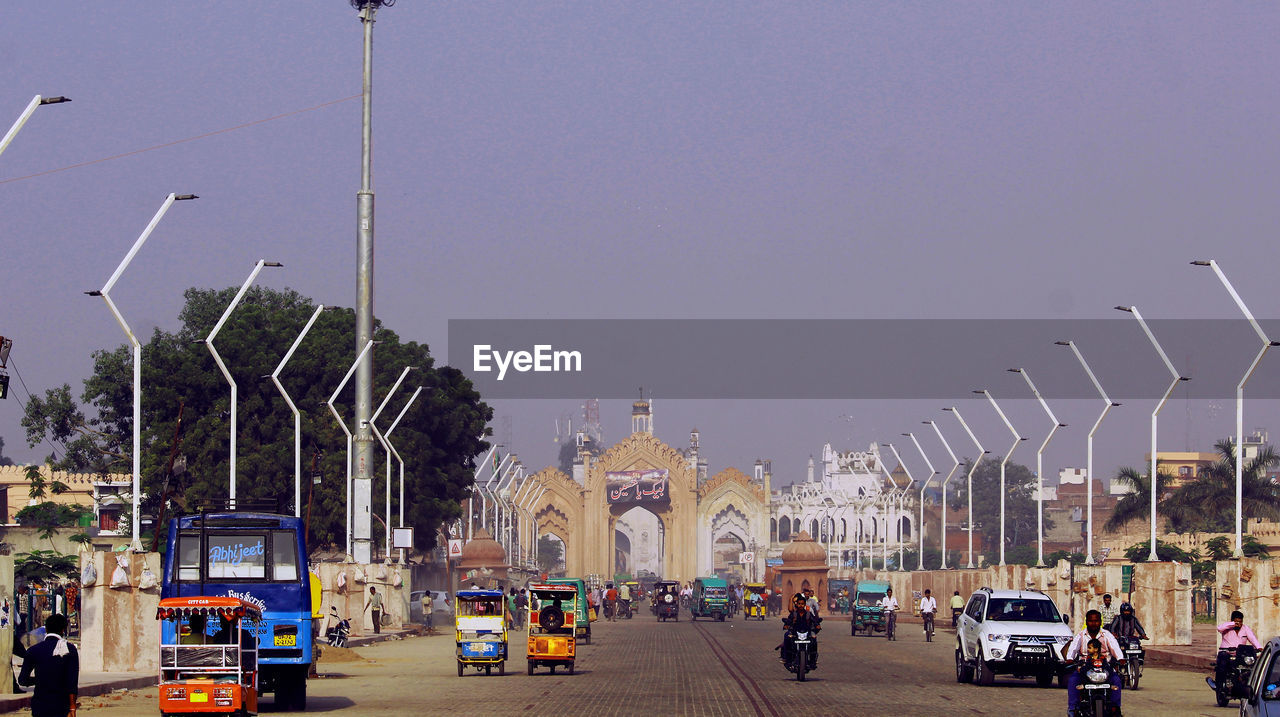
{"type": "Point", "coordinates": [659, 160]}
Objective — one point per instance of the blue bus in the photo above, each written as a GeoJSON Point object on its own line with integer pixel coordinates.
{"type": "Point", "coordinates": [259, 557]}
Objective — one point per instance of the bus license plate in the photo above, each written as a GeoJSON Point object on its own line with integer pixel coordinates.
{"type": "Point", "coordinates": [286, 640]}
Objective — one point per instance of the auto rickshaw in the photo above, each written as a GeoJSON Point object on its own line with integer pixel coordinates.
{"type": "Point", "coordinates": [751, 607]}
{"type": "Point", "coordinates": [553, 615]}
{"type": "Point", "coordinates": [582, 626]}
{"type": "Point", "coordinates": [480, 620]}
{"type": "Point", "coordinates": [710, 598]}
{"type": "Point", "coordinates": [203, 673]}
{"type": "Point", "coordinates": [636, 595]}
{"type": "Point", "coordinates": [666, 600]}
{"type": "Point", "coordinates": [867, 614]}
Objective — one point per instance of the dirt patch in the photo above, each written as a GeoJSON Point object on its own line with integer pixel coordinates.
{"type": "Point", "coordinates": [339, 654]}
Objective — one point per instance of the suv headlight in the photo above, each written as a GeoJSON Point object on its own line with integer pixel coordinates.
{"type": "Point", "coordinates": [992, 637]}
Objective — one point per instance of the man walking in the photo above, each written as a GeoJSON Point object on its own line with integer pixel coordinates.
{"type": "Point", "coordinates": [375, 601]}
{"type": "Point", "coordinates": [56, 667]}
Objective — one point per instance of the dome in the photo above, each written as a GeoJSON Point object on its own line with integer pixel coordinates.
{"type": "Point", "coordinates": [483, 550]}
{"type": "Point", "coordinates": [802, 551]}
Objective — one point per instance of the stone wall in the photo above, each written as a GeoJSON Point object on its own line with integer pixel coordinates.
{"type": "Point", "coordinates": [6, 626]}
{"type": "Point", "coordinates": [1251, 586]}
{"type": "Point", "coordinates": [350, 602]}
{"type": "Point", "coordinates": [118, 627]}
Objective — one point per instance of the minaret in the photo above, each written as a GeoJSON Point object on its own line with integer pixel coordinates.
{"type": "Point", "coordinates": [809, 477]}
{"type": "Point", "coordinates": [768, 479]}
{"type": "Point", "coordinates": [582, 462]}
{"type": "Point", "coordinates": [641, 417]}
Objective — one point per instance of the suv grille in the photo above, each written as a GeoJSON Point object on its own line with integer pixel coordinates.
{"type": "Point", "coordinates": [1034, 639]}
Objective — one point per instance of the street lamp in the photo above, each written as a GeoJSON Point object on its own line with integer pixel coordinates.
{"type": "Point", "coordinates": [475, 481]}
{"type": "Point", "coordinates": [387, 438]}
{"type": "Point", "coordinates": [828, 525]}
{"type": "Point", "coordinates": [347, 431]}
{"type": "Point", "coordinates": [297, 416]}
{"type": "Point", "coordinates": [135, 545]}
{"type": "Point", "coordinates": [4, 144]}
{"type": "Point", "coordinates": [932, 472]}
{"type": "Point", "coordinates": [897, 520]}
{"type": "Point", "coordinates": [390, 451]}
{"type": "Point", "coordinates": [1016, 440]}
{"type": "Point", "coordinates": [955, 465]}
{"type": "Point", "coordinates": [1109, 404]}
{"type": "Point", "coordinates": [1177, 378]}
{"type": "Point", "coordinates": [1266, 344]}
{"type": "Point", "coordinates": [1040, 466]}
{"type": "Point", "coordinates": [972, 468]}
{"type": "Point", "coordinates": [887, 496]}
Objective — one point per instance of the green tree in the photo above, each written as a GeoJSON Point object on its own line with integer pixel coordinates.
{"type": "Point", "coordinates": [1206, 503]}
{"type": "Point", "coordinates": [437, 438]}
{"type": "Point", "coordinates": [550, 554]}
{"type": "Point", "coordinates": [42, 566]}
{"type": "Point", "coordinates": [1222, 547]}
{"type": "Point", "coordinates": [4, 460]}
{"type": "Point", "coordinates": [1020, 504]}
{"type": "Point", "coordinates": [1138, 552]}
{"type": "Point", "coordinates": [1136, 504]}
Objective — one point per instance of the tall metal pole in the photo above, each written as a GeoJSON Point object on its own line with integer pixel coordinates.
{"type": "Point", "coordinates": [297, 415]}
{"type": "Point", "coordinates": [386, 552]}
{"type": "Point", "coordinates": [1004, 462]}
{"type": "Point", "coordinates": [969, 490]}
{"type": "Point", "coordinates": [208, 342]}
{"type": "Point", "coordinates": [1155, 417]}
{"type": "Point", "coordinates": [897, 520]}
{"type": "Point", "coordinates": [1109, 404]}
{"type": "Point", "coordinates": [1040, 466]}
{"type": "Point", "coordinates": [1266, 344]}
{"type": "Point", "coordinates": [954, 467]}
{"type": "Point", "coordinates": [387, 438]}
{"type": "Point", "coordinates": [925, 486]}
{"type": "Point", "coordinates": [350, 453]}
{"type": "Point", "coordinates": [364, 298]}
{"type": "Point", "coordinates": [136, 544]}
{"type": "Point", "coordinates": [22, 120]}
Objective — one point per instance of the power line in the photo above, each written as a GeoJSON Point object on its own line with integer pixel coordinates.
{"type": "Point", "coordinates": [18, 373]}
{"type": "Point", "coordinates": [178, 141]}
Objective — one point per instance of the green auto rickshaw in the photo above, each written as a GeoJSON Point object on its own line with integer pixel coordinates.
{"type": "Point", "coordinates": [710, 599]}
{"type": "Point", "coordinates": [867, 615]}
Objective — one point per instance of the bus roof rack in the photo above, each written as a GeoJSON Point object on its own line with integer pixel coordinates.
{"type": "Point", "coordinates": [262, 505]}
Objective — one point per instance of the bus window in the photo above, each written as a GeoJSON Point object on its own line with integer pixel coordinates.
{"type": "Point", "coordinates": [237, 556]}
{"type": "Point", "coordinates": [189, 557]}
{"type": "Point", "coordinates": [284, 556]}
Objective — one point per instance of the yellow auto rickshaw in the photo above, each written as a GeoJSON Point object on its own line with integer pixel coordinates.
{"type": "Point", "coordinates": [754, 603]}
{"type": "Point", "coordinates": [480, 618]}
{"type": "Point", "coordinates": [553, 615]}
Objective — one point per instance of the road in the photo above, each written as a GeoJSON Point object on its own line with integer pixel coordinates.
{"type": "Point", "coordinates": [641, 667]}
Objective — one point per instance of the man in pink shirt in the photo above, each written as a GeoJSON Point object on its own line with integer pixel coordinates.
{"type": "Point", "coordinates": [1234, 633]}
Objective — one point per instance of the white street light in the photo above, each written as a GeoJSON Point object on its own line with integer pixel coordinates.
{"type": "Point", "coordinates": [387, 438]}
{"type": "Point", "coordinates": [347, 431]}
{"type": "Point", "coordinates": [887, 495]}
{"type": "Point", "coordinates": [13, 132]}
{"type": "Point", "coordinates": [1004, 462]}
{"type": "Point", "coordinates": [1177, 378]}
{"type": "Point", "coordinates": [386, 554]}
{"type": "Point", "coordinates": [297, 416]}
{"type": "Point", "coordinates": [1040, 466]}
{"type": "Point", "coordinates": [955, 466]}
{"type": "Point", "coordinates": [1109, 404]}
{"type": "Point", "coordinates": [105, 293]}
{"type": "Point", "coordinates": [897, 520]}
{"type": "Point", "coordinates": [208, 342]}
{"type": "Point", "coordinates": [1266, 344]}
{"type": "Point", "coordinates": [969, 491]}
{"type": "Point", "coordinates": [475, 481]}
{"type": "Point", "coordinates": [932, 472]}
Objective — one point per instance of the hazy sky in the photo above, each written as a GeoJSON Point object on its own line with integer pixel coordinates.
{"type": "Point", "coordinates": [637, 160]}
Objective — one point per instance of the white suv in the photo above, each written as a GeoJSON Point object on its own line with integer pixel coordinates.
{"type": "Point", "coordinates": [1012, 632]}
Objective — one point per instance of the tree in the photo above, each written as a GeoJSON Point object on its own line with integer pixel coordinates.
{"type": "Point", "coordinates": [1138, 552]}
{"type": "Point", "coordinates": [4, 460]}
{"type": "Point", "coordinates": [1136, 504]}
{"type": "Point", "coordinates": [1222, 547]}
{"type": "Point", "coordinates": [550, 554]}
{"type": "Point", "coordinates": [437, 438]}
{"type": "Point", "coordinates": [42, 566]}
{"type": "Point", "coordinates": [1020, 504]}
{"type": "Point", "coordinates": [1207, 503]}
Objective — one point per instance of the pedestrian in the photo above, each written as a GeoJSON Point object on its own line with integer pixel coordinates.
{"type": "Point", "coordinates": [611, 603]}
{"type": "Point", "coordinates": [522, 604]}
{"type": "Point", "coordinates": [375, 602]}
{"type": "Point", "coordinates": [427, 607]}
{"type": "Point", "coordinates": [53, 667]}
{"type": "Point", "coordinates": [511, 608]}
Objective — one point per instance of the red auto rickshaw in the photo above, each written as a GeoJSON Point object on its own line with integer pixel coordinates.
{"type": "Point", "coordinates": [202, 671]}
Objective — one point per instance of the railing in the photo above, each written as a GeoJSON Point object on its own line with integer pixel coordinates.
{"type": "Point", "coordinates": [223, 659]}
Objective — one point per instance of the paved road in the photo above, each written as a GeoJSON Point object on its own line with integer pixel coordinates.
{"type": "Point", "coordinates": [641, 667]}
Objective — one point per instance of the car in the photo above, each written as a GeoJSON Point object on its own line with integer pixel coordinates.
{"type": "Point", "coordinates": [441, 604]}
{"type": "Point", "coordinates": [1264, 683]}
{"type": "Point", "coordinates": [1010, 632]}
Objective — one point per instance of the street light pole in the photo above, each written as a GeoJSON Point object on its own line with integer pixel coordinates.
{"type": "Point", "coordinates": [136, 544]}
{"type": "Point", "coordinates": [1155, 414]}
{"type": "Point", "coordinates": [969, 490]}
{"type": "Point", "coordinates": [1016, 440]}
{"type": "Point", "coordinates": [387, 438]}
{"type": "Point", "coordinates": [297, 415]}
{"type": "Point", "coordinates": [897, 520]}
{"type": "Point", "coordinates": [932, 472]}
{"type": "Point", "coordinates": [347, 431]}
{"type": "Point", "coordinates": [1109, 404]}
{"type": "Point", "coordinates": [22, 120]}
{"type": "Point", "coordinates": [386, 554]}
{"type": "Point", "coordinates": [1266, 344]}
{"type": "Point", "coordinates": [208, 342]}
{"type": "Point", "coordinates": [1040, 466]}
{"type": "Point", "coordinates": [955, 466]}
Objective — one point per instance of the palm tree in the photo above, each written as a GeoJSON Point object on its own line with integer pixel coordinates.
{"type": "Point", "coordinates": [1136, 504]}
{"type": "Point", "coordinates": [1207, 503]}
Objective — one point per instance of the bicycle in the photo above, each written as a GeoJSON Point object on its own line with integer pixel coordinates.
{"type": "Point", "coordinates": [928, 626]}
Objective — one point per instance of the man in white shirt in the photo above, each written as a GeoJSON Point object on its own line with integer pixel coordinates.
{"type": "Point", "coordinates": [890, 605]}
{"type": "Point", "coordinates": [928, 610]}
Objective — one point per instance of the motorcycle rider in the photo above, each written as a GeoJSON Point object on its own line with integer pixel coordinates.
{"type": "Point", "coordinates": [1234, 633]}
{"type": "Point", "coordinates": [1093, 630]}
{"type": "Point", "coordinates": [890, 605]}
{"type": "Point", "coordinates": [1126, 624]}
{"type": "Point", "coordinates": [800, 619]}
{"type": "Point", "coordinates": [624, 598]}
{"type": "Point", "coordinates": [957, 606]}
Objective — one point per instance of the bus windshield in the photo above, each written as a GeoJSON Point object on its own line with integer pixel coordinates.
{"type": "Point", "coordinates": [261, 556]}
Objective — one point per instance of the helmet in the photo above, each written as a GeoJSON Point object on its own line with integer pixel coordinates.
{"type": "Point", "coordinates": [1126, 607]}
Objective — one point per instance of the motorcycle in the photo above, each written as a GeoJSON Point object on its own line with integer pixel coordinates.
{"type": "Point", "coordinates": [1235, 683]}
{"type": "Point", "coordinates": [800, 649]}
{"type": "Point", "coordinates": [624, 608]}
{"type": "Point", "coordinates": [1095, 682]}
{"type": "Point", "coordinates": [1131, 668]}
{"type": "Point", "coordinates": [337, 634]}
